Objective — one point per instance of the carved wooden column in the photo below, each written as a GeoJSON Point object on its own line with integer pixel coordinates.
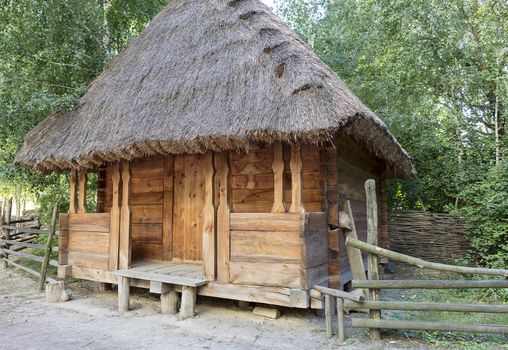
{"type": "Point", "coordinates": [167, 210]}
{"type": "Point", "coordinates": [73, 196]}
{"type": "Point", "coordinates": [296, 179]}
{"type": "Point", "coordinates": [124, 260]}
{"type": "Point", "coordinates": [223, 211]}
{"type": "Point", "coordinates": [279, 205]}
{"type": "Point", "coordinates": [83, 179]}
{"type": "Point", "coordinates": [114, 223]}
{"type": "Point", "coordinates": [208, 220]}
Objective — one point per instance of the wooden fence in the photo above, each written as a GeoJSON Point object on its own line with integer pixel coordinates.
{"type": "Point", "coordinates": [435, 237]}
{"type": "Point", "coordinates": [374, 305]}
{"type": "Point", "coordinates": [17, 239]}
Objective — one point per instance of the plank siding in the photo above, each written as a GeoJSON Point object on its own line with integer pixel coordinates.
{"type": "Point", "coordinates": [146, 199]}
{"type": "Point", "coordinates": [87, 240]}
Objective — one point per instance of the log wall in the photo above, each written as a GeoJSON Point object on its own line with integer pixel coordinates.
{"type": "Point", "coordinates": [85, 240]}
{"type": "Point", "coordinates": [278, 250]}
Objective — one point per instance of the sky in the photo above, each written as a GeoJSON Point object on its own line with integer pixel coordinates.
{"type": "Point", "coordinates": [268, 2]}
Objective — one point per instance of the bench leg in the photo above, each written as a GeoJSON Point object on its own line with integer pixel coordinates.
{"type": "Point", "coordinates": [169, 302]}
{"type": "Point", "coordinates": [188, 307]}
{"type": "Point", "coordinates": [123, 294]}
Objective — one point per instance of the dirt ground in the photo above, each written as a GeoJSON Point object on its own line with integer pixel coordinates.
{"type": "Point", "coordinates": [91, 321]}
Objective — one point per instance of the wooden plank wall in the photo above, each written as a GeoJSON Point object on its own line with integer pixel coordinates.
{"type": "Point", "coordinates": [311, 177]}
{"type": "Point", "coordinates": [88, 240]}
{"type": "Point", "coordinates": [189, 201]}
{"type": "Point", "coordinates": [265, 249]}
{"type": "Point", "coordinates": [146, 200]}
{"type": "Point", "coordinates": [347, 167]}
{"type": "Point", "coordinates": [252, 179]}
{"type": "Point", "coordinates": [279, 249]}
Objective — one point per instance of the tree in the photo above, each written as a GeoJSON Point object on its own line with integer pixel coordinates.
{"type": "Point", "coordinates": [49, 52]}
{"type": "Point", "coordinates": [434, 71]}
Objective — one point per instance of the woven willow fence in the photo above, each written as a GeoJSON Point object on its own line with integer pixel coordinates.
{"type": "Point", "coordinates": [431, 236]}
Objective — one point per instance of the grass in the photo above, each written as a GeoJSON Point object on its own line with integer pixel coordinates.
{"type": "Point", "coordinates": [450, 340]}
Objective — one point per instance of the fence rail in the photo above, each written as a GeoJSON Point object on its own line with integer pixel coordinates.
{"type": "Point", "coordinates": [15, 240]}
{"type": "Point", "coordinates": [373, 285]}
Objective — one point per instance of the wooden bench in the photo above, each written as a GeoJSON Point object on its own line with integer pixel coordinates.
{"type": "Point", "coordinates": [162, 284]}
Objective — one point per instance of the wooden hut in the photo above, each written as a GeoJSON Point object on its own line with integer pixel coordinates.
{"type": "Point", "coordinates": [223, 148]}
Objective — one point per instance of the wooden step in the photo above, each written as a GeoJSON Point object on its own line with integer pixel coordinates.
{"type": "Point", "coordinates": [164, 278]}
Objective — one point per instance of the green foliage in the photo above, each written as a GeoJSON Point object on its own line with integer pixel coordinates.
{"type": "Point", "coordinates": [436, 72]}
{"type": "Point", "coordinates": [486, 212]}
{"type": "Point", "coordinates": [49, 52]}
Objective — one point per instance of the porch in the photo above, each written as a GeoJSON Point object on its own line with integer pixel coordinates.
{"type": "Point", "coordinates": [164, 278]}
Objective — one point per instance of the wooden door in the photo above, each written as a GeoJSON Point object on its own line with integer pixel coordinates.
{"type": "Point", "coordinates": [189, 201]}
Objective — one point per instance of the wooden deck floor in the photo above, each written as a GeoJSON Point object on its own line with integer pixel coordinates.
{"type": "Point", "coordinates": [181, 273]}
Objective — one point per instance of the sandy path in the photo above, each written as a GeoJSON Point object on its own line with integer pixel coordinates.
{"type": "Point", "coordinates": [91, 321]}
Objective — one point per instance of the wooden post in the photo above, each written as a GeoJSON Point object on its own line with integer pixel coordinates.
{"type": "Point", "coordinates": [188, 307]}
{"type": "Point", "coordinates": [372, 238]}
{"type": "Point", "coordinates": [354, 255]}
{"type": "Point", "coordinates": [167, 210]}
{"type": "Point", "coordinates": [101, 189]}
{"type": "Point", "coordinates": [223, 211]}
{"type": "Point", "coordinates": [296, 179]}
{"type": "Point", "coordinates": [73, 195]}
{"type": "Point", "coordinates": [328, 315]}
{"type": "Point", "coordinates": [7, 232]}
{"type": "Point", "coordinates": [124, 258]}
{"type": "Point", "coordinates": [83, 179]}
{"type": "Point", "coordinates": [45, 262]}
{"type": "Point", "coordinates": [114, 219]}
{"type": "Point", "coordinates": [279, 205]}
{"type": "Point", "coordinates": [123, 293]}
{"type": "Point", "coordinates": [383, 230]}
{"type": "Point", "coordinates": [340, 320]}
{"type": "Point", "coordinates": [169, 302]}
{"type": "Point", "coordinates": [209, 221]}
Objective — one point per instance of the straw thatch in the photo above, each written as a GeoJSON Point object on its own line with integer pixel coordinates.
{"type": "Point", "coordinates": [207, 75]}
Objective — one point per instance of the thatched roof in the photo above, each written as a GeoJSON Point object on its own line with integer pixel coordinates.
{"type": "Point", "coordinates": [207, 75]}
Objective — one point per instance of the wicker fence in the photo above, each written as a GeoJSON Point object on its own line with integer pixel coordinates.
{"type": "Point", "coordinates": [431, 236]}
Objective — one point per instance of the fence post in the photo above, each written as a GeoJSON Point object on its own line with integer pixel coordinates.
{"type": "Point", "coordinates": [7, 234]}
{"type": "Point", "coordinates": [372, 238]}
{"type": "Point", "coordinates": [44, 266]}
{"type": "Point", "coordinates": [340, 320]}
{"type": "Point", "coordinates": [328, 315]}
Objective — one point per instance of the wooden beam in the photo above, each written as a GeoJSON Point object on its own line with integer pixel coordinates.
{"type": "Point", "coordinates": [429, 326]}
{"type": "Point", "coordinates": [63, 239]}
{"type": "Point", "coordinates": [354, 255]}
{"type": "Point", "coordinates": [279, 205]}
{"type": "Point", "coordinates": [167, 212]}
{"type": "Point", "coordinates": [340, 294]}
{"type": "Point", "coordinates": [73, 195]}
{"type": "Point", "coordinates": [223, 212]}
{"type": "Point", "coordinates": [83, 179]}
{"type": "Point", "coordinates": [209, 240]}
{"type": "Point", "coordinates": [356, 243]}
{"type": "Point", "coordinates": [372, 238]}
{"type": "Point", "coordinates": [429, 284]}
{"type": "Point", "coordinates": [124, 259]}
{"type": "Point", "coordinates": [425, 306]}
{"type": "Point", "coordinates": [296, 179]}
{"type": "Point", "coordinates": [114, 224]}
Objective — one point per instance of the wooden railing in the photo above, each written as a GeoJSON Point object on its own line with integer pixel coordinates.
{"type": "Point", "coordinates": [373, 285]}
{"type": "Point", "coordinates": [16, 239]}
